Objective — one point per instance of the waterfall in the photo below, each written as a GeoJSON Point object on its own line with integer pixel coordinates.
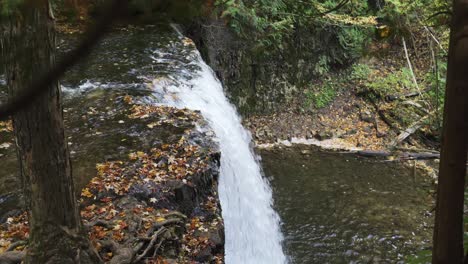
{"type": "Point", "coordinates": [251, 225]}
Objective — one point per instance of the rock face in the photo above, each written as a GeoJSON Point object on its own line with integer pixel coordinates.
{"type": "Point", "coordinates": [261, 81]}
{"type": "Point", "coordinates": [255, 84]}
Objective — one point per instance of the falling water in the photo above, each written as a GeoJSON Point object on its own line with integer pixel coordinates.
{"type": "Point", "coordinates": [251, 225]}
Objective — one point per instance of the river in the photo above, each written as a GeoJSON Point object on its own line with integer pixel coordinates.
{"type": "Point", "coordinates": [321, 207]}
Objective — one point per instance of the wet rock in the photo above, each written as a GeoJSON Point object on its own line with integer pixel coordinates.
{"type": "Point", "coordinates": [216, 238]}
{"type": "Point", "coordinates": [260, 133]}
{"type": "Point", "coordinates": [339, 133]}
{"type": "Point", "coordinates": [368, 129]}
{"type": "Point", "coordinates": [186, 198]}
{"type": "Point", "coordinates": [310, 134]}
{"type": "Point", "coordinates": [189, 194]}
{"type": "Point", "coordinates": [323, 135]}
{"type": "Point", "coordinates": [204, 255]}
{"type": "Point", "coordinates": [381, 134]}
{"type": "Point", "coordinates": [366, 116]}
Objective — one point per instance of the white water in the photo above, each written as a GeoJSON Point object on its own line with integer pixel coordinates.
{"type": "Point", "coordinates": [251, 225]}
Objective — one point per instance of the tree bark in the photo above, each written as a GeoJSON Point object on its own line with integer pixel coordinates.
{"type": "Point", "coordinates": [56, 231]}
{"type": "Point", "coordinates": [448, 230]}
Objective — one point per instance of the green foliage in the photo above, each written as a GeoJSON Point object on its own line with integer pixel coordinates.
{"type": "Point", "coordinates": [177, 11]}
{"type": "Point", "coordinates": [381, 85]}
{"type": "Point", "coordinates": [436, 83]}
{"type": "Point", "coordinates": [422, 257]}
{"type": "Point", "coordinates": [321, 96]}
{"type": "Point", "coordinates": [322, 67]}
{"type": "Point", "coordinates": [274, 24]}
{"type": "Point", "coordinates": [263, 20]}
{"type": "Point", "coordinates": [9, 6]}
{"type": "Point", "coordinates": [402, 15]}
{"type": "Point", "coordinates": [354, 40]}
{"type": "Point", "coordinates": [435, 95]}
{"type": "Point", "coordinates": [393, 83]}
{"type": "Point", "coordinates": [360, 72]}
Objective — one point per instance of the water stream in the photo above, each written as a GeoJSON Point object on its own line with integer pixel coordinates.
{"type": "Point", "coordinates": [335, 208]}
{"type": "Point", "coordinates": [340, 208]}
{"type": "Point", "coordinates": [251, 225]}
{"type": "Point", "coordinates": [162, 61]}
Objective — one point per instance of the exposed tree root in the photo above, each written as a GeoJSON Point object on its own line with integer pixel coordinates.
{"type": "Point", "coordinates": [16, 244]}
{"type": "Point", "coordinates": [12, 257]}
{"type": "Point", "coordinates": [151, 244]}
{"type": "Point", "coordinates": [137, 249]}
{"type": "Point", "coordinates": [99, 222]}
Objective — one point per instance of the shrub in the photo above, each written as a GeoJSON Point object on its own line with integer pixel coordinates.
{"type": "Point", "coordinates": [360, 72]}
{"type": "Point", "coordinates": [321, 96]}
{"type": "Point", "coordinates": [354, 40]}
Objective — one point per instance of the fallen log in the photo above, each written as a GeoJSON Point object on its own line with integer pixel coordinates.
{"type": "Point", "coordinates": [410, 130]}
{"type": "Point", "coordinates": [373, 153]}
{"type": "Point", "coordinates": [398, 156]}
{"type": "Point", "coordinates": [420, 156]}
{"type": "Point", "coordinates": [394, 97]}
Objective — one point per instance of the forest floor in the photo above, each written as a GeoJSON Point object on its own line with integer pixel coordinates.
{"type": "Point", "coordinates": [340, 122]}
{"type": "Point", "coordinates": [154, 198]}
{"type": "Point", "coordinates": [360, 115]}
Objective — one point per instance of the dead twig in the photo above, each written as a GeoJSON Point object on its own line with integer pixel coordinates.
{"type": "Point", "coordinates": [157, 248]}
{"type": "Point", "coordinates": [410, 130]}
{"type": "Point", "coordinates": [410, 66]}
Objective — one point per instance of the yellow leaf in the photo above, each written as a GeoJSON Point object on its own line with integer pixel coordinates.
{"type": "Point", "coordinates": [152, 125]}
{"type": "Point", "coordinates": [132, 156]}
{"type": "Point", "coordinates": [128, 99]}
{"type": "Point", "coordinates": [86, 193]}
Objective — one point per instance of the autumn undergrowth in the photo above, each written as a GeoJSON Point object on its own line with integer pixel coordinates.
{"type": "Point", "coordinates": [320, 96]}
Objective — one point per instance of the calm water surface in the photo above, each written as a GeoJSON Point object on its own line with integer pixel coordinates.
{"type": "Point", "coordinates": [339, 208]}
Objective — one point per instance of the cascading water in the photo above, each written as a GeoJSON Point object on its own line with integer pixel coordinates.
{"type": "Point", "coordinates": [251, 225]}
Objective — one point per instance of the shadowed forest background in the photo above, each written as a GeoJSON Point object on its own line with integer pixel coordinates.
{"type": "Point", "coordinates": [269, 131]}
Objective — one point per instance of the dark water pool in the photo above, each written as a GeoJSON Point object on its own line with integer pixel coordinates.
{"type": "Point", "coordinates": [339, 208]}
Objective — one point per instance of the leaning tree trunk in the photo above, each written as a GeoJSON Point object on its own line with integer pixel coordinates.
{"type": "Point", "coordinates": [448, 231]}
{"type": "Point", "coordinates": [56, 231]}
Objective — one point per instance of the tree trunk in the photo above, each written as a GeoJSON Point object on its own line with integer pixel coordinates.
{"type": "Point", "coordinates": [56, 231]}
{"type": "Point", "coordinates": [448, 231]}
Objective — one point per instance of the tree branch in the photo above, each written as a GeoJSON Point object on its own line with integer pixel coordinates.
{"type": "Point", "coordinates": [340, 5]}
{"type": "Point", "coordinates": [42, 83]}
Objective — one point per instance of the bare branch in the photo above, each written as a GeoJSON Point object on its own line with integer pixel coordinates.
{"type": "Point", "coordinates": [340, 5]}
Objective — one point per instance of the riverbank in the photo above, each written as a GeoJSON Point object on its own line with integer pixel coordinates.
{"type": "Point", "coordinates": [387, 96]}
{"type": "Point", "coordinates": [159, 201]}
{"type": "Point", "coordinates": [348, 121]}
{"type": "Point", "coordinates": [146, 174]}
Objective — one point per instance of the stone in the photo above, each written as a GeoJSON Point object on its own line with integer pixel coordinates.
{"type": "Point", "coordinates": [185, 196]}
{"type": "Point", "coordinates": [368, 129]}
{"type": "Point", "coordinates": [366, 116]}
{"type": "Point", "coordinates": [204, 255]}
{"type": "Point", "coordinates": [260, 133]}
{"type": "Point", "coordinates": [216, 238]}
{"type": "Point", "coordinates": [381, 134]}
{"type": "Point", "coordinates": [323, 135]}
